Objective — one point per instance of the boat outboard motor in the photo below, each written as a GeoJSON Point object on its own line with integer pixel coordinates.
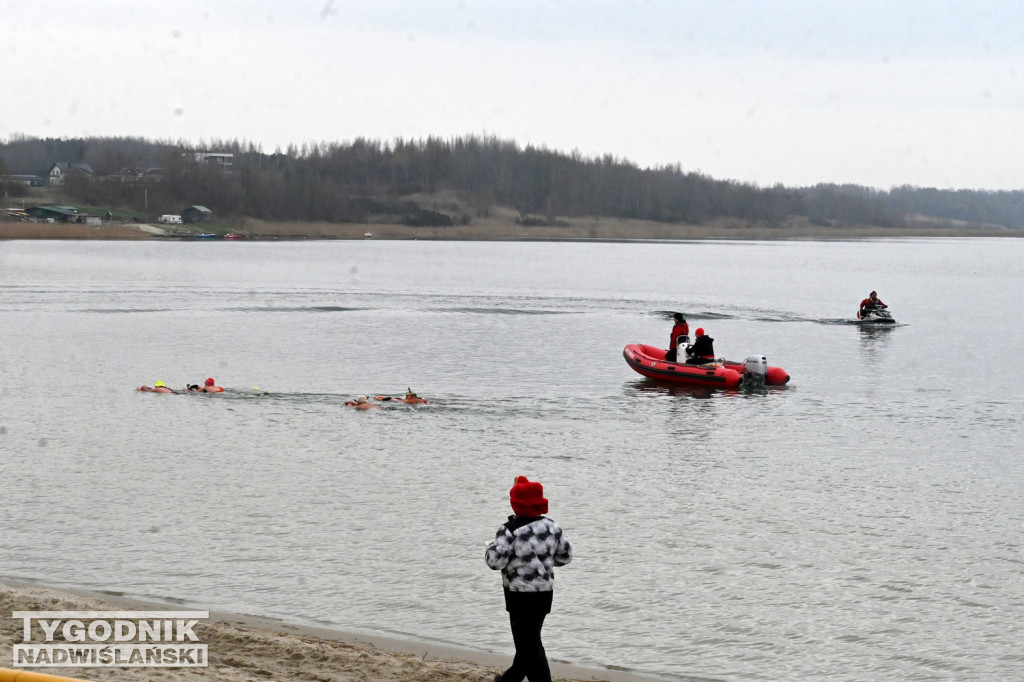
{"type": "Point", "coordinates": [755, 367]}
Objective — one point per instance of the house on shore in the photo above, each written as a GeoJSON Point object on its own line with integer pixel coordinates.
{"type": "Point", "coordinates": [225, 162]}
{"type": "Point", "coordinates": [138, 175]}
{"type": "Point", "coordinates": [62, 170]}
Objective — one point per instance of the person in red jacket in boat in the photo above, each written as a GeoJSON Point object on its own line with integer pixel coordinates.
{"type": "Point", "coordinates": [870, 303]}
{"type": "Point", "coordinates": [680, 328]}
{"type": "Point", "coordinates": [702, 349]}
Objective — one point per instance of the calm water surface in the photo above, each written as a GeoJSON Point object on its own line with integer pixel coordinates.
{"type": "Point", "coordinates": [864, 522]}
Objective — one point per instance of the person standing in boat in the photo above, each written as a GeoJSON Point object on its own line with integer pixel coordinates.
{"type": "Point", "coordinates": [702, 350]}
{"type": "Point", "coordinates": [870, 303]}
{"type": "Point", "coordinates": [680, 328]}
{"type": "Point", "coordinates": [526, 550]}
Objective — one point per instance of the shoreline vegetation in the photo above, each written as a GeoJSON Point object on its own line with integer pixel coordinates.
{"type": "Point", "coordinates": [463, 188]}
{"type": "Point", "coordinates": [505, 229]}
{"type": "Point", "coordinates": [247, 647]}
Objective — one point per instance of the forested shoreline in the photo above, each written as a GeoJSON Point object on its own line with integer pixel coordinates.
{"type": "Point", "coordinates": [370, 181]}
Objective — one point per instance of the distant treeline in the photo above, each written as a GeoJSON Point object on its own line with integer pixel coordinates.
{"type": "Point", "coordinates": [365, 180]}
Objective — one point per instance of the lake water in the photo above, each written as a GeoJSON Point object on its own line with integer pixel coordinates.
{"type": "Point", "coordinates": [865, 522]}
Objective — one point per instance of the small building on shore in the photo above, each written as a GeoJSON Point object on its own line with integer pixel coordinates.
{"type": "Point", "coordinates": [59, 214]}
{"type": "Point", "coordinates": [27, 180]}
{"type": "Point", "coordinates": [196, 214]}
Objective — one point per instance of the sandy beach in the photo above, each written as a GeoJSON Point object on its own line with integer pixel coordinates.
{"type": "Point", "coordinates": [247, 647]}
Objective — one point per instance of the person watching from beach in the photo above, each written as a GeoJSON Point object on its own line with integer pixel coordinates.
{"type": "Point", "coordinates": [702, 350]}
{"type": "Point", "coordinates": [680, 329]}
{"type": "Point", "coordinates": [870, 303]}
{"type": "Point", "coordinates": [526, 550]}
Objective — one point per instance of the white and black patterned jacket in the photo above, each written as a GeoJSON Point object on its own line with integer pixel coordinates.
{"type": "Point", "coordinates": [526, 551]}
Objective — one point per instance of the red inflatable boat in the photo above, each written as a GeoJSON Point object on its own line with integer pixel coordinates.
{"type": "Point", "coordinates": [650, 362]}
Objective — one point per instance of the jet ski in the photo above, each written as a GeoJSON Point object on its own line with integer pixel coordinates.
{"type": "Point", "coordinates": [876, 314]}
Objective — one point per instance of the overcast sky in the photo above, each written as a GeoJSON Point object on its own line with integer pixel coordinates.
{"type": "Point", "coordinates": [873, 92]}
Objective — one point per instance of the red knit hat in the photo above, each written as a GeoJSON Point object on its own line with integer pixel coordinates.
{"type": "Point", "coordinates": [209, 381]}
{"type": "Point", "coordinates": [527, 497]}
{"type": "Point", "coordinates": [700, 331]}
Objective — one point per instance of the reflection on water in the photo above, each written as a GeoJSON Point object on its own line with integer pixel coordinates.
{"type": "Point", "coordinates": [653, 387]}
{"type": "Point", "coordinates": [876, 331]}
{"type": "Point", "coordinates": [665, 389]}
{"type": "Point", "coordinates": [874, 339]}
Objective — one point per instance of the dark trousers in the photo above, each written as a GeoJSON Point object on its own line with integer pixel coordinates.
{"type": "Point", "coordinates": [531, 661]}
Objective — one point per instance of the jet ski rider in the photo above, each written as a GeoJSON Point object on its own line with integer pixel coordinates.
{"type": "Point", "coordinates": [870, 303]}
